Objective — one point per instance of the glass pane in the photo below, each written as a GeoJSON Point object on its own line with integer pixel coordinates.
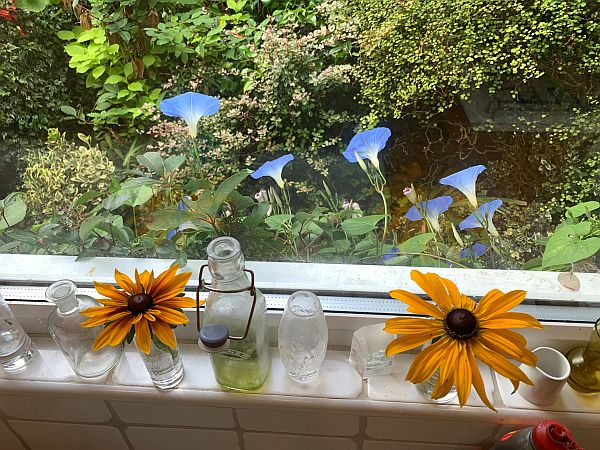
{"type": "Point", "coordinates": [414, 133]}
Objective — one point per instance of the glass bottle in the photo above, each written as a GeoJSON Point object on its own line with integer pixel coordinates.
{"type": "Point", "coordinates": [303, 336]}
{"type": "Point", "coordinates": [585, 364]}
{"type": "Point", "coordinates": [164, 364]}
{"type": "Point", "coordinates": [74, 341]}
{"type": "Point", "coordinates": [245, 364]}
{"type": "Point", "coordinates": [16, 349]}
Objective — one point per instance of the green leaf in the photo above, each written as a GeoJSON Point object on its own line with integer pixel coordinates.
{"type": "Point", "coordinates": [32, 5]}
{"type": "Point", "coordinates": [416, 244]}
{"type": "Point", "coordinates": [277, 221]}
{"type": "Point", "coordinates": [141, 196]}
{"type": "Point", "coordinates": [148, 60]}
{"type": "Point", "coordinates": [228, 186]}
{"type": "Point", "coordinates": [89, 224]}
{"type": "Point", "coordinates": [65, 35]}
{"type": "Point", "coordinates": [86, 197]}
{"type": "Point", "coordinates": [569, 244]}
{"type": "Point", "coordinates": [136, 86]}
{"type": "Point", "coordinates": [582, 208]}
{"type": "Point", "coordinates": [12, 210]}
{"type": "Point", "coordinates": [128, 69]}
{"type": "Point", "coordinates": [153, 161]}
{"type": "Point", "coordinates": [361, 225]}
{"type": "Point", "coordinates": [173, 162]}
{"type": "Point", "coordinates": [69, 110]}
{"type": "Point", "coordinates": [166, 219]}
{"type": "Point", "coordinates": [114, 79]}
{"type": "Point", "coordinates": [98, 71]}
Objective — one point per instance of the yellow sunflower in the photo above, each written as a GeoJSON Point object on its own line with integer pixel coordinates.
{"type": "Point", "coordinates": [146, 307]}
{"type": "Point", "coordinates": [463, 330]}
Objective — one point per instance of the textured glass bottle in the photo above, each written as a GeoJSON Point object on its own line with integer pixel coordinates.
{"type": "Point", "coordinates": [16, 349]}
{"type": "Point", "coordinates": [303, 336]}
{"type": "Point", "coordinates": [74, 341]}
{"type": "Point", "coordinates": [585, 364]}
{"type": "Point", "coordinates": [245, 364]}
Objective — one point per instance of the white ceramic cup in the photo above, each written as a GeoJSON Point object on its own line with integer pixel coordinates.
{"type": "Point", "coordinates": [549, 376]}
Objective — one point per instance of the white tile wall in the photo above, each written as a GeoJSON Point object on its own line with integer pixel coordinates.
{"type": "Point", "coordinates": [179, 438]}
{"type": "Point", "coordinates": [380, 445]}
{"type": "Point", "coordinates": [177, 415]}
{"type": "Point", "coordinates": [429, 430]}
{"type": "Point", "coordinates": [56, 409]}
{"type": "Point", "coordinates": [298, 422]}
{"type": "Point", "coordinates": [62, 436]}
{"type": "Point", "coordinates": [8, 441]}
{"type": "Point", "coordinates": [272, 441]}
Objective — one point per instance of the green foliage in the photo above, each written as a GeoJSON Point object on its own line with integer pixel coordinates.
{"type": "Point", "coordinates": [419, 56]}
{"type": "Point", "coordinates": [577, 238]}
{"type": "Point", "coordinates": [34, 77]}
{"type": "Point", "coordinates": [12, 210]}
{"type": "Point", "coordinates": [54, 178]}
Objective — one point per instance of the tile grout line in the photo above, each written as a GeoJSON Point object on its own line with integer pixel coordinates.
{"type": "Point", "coordinates": [117, 423]}
{"type": "Point", "coordinates": [238, 429]}
{"type": "Point", "coordinates": [4, 419]}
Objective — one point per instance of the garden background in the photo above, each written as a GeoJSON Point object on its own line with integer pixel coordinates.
{"type": "Point", "coordinates": [90, 167]}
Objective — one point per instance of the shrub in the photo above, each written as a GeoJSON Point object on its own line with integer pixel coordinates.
{"type": "Point", "coordinates": [55, 177]}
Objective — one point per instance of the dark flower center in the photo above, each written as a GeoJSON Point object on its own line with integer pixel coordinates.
{"type": "Point", "coordinates": [461, 324]}
{"type": "Point", "coordinates": [139, 303]}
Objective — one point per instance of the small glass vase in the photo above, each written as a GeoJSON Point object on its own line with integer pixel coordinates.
{"type": "Point", "coordinates": [426, 389]}
{"type": "Point", "coordinates": [164, 365]}
{"type": "Point", "coordinates": [16, 349]}
{"type": "Point", "coordinates": [585, 364]}
{"type": "Point", "coordinates": [303, 336]}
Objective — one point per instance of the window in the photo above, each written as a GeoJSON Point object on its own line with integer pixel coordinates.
{"type": "Point", "coordinates": [356, 132]}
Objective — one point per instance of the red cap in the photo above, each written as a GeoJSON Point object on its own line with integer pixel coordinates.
{"type": "Point", "coordinates": [551, 435]}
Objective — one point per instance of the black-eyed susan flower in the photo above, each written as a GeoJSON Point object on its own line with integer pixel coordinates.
{"type": "Point", "coordinates": [463, 331]}
{"type": "Point", "coordinates": [147, 307]}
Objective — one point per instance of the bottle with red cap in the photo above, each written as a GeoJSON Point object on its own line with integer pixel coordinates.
{"type": "Point", "coordinates": [546, 435]}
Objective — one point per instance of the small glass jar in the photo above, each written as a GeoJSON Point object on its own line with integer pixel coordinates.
{"type": "Point", "coordinates": [303, 336]}
{"type": "Point", "coordinates": [16, 349]}
{"type": "Point", "coordinates": [164, 365]}
{"type": "Point", "coordinates": [585, 364]}
{"type": "Point", "coordinates": [75, 342]}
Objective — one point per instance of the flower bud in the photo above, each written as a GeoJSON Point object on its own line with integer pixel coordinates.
{"type": "Point", "coordinates": [410, 194]}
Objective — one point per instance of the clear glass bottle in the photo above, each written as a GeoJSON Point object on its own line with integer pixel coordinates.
{"type": "Point", "coordinates": [74, 341]}
{"type": "Point", "coordinates": [585, 364]}
{"type": "Point", "coordinates": [16, 349]}
{"type": "Point", "coordinates": [303, 336]}
{"type": "Point", "coordinates": [164, 365]}
{"type": "Point", "coordinates": [245, 364]}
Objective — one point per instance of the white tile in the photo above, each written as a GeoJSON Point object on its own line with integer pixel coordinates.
{"type": "Point", "coordinates": [62, 436]}
{"type": "Point", "coordinates": [8, 439]}
{"type": "Point", "coordinates": [54, 408]}
{"type": "Point", "coordinates": [172, 438]}
{"type": "Point", "coordinates": [271, 441]}
{"type": "Point", "coordinates": [381, 445]}
{"type": "Point", "coordinates": [298, 422]}
{"type": "Point", "coordinates": [431, 429]}
{"type": "Point", "coordinates": [169, 414]}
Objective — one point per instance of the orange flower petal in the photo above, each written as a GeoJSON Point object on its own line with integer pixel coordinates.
{"type": "Point", "coordinates": [416, 304]}
{"type": "Point", "coordinates": [109, 302]}
{"type": "Point", "coordinates": [409, 325]}
{"type": "Point", "coordinates": [428, 361]}
{"type": "Point", "coordinates": [125, 282]}
{"type": "Point", "coordinates": [164, 333]}
{"type": "Point", "coordinates": [463, 375]}
{"type": "Point", "coordinates": [171, 316]}
{"type": "Point", "coordinates": [510, 320]}
{"type": "Point", "coordinates": [142, 336]}
{"type": "Point", "coordinates": [498, 362]}
{"type": "Point", "coordinates": [102, 319]}
{"type": "Point", "coordinates": [507, 343]}
{"type": "Point", "coordinates": [488, 300]}
{"type": "Point", "coordinates": [446, 376]}
{"type": "Point", "coordinates": [180, 302]}
{"type": "Point", "coordinates": [436, 288]}
{"type": "Point", "coordinates": [108, 290]}
{"type": "Point", "coordinates": [500, 304]}
{"type": "Point", "coordinates": [120, 330]}
{"type": "Point", "coordinates": [410, 341]}
{"type": "Point", "coordinates": [477, 380]}
{"type": "Point", "coordinates": [164, 278]}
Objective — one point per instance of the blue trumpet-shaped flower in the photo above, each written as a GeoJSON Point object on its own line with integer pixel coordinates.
{"type": "Point", "coordinates": [391, 253]}
{"type": "Point", "coordinates": [273, 169]}
{"type": "Point", "coordinates": [433, 209]}
{"type": "Point", "coordinates": [482, 217]}
{"type": "Point", "coordinates": [190, 107]}
{"type": "Point", "coordinates": [367, 145]}
{"type": "Point", "coordinates": [475, 251]}
{"type": "Point", "coordinates": [465, 181]}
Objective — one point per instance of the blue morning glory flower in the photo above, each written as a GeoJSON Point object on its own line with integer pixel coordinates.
{"type": "Point", "coordinates": [391, 253]}
{"type": "Point", "coordinates": [190, 107]}
{"type": "Point", "coordinates": [465, 181]}
{"type": "Point", "coordinates": [433, 209]}
{"type": "Point", "coordinates": [475, 251]}
{"type": "Point", "coordinates": [482, 217]}
{"type": "Point", "coordinates": [273, 169]}
{"type": "Point", "coordinates": [367, 144]}
{"type": "Point", "coordinates": [182, 207]}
